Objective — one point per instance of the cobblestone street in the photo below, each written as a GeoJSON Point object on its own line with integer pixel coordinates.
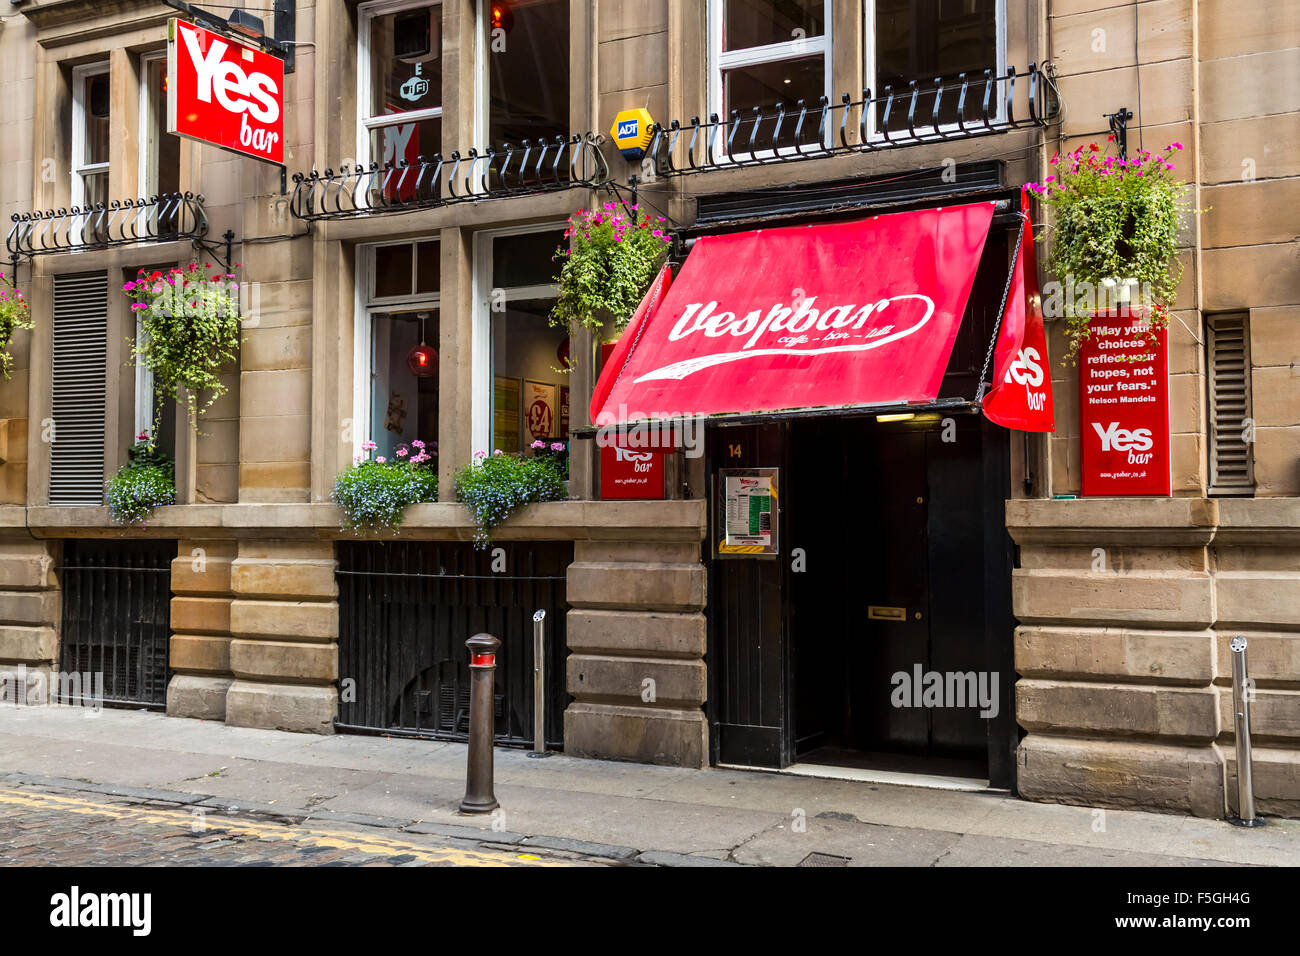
{"type": "Point", "coordinates": [63, 828]}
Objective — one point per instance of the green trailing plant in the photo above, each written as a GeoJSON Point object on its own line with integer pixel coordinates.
{"type": "Point", "coordinates": [493, 486]}
{"type": "Point", "coordinates": [374, 493]}
{"type": "Point", "coordinates": [191, 329]}
{"type": "Point", "coordinates": [1115, 222]}
{"type": "Point", "coordinates": [609, 259]}
{"type": "Point", "coordinates": [146, 482]}
{"type": "Point", "coordinates": [14, 314]}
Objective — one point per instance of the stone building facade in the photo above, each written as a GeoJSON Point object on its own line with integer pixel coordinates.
{"type": "Point", "coordinates": [1122, 675]}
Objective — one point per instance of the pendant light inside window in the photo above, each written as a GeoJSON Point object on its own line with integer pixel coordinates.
{"type": "Point", "coordinates": [422, 360]}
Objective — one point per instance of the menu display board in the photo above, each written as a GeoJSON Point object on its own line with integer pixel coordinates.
{"type": "Point", "coordinates": [1124, 408]}
{"type": "Point", "coordinates": [746, 512]}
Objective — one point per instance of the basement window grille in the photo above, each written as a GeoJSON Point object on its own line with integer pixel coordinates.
{"type": "Point", "coordinates": [1231, 428]}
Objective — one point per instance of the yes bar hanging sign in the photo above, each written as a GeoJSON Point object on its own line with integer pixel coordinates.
{"type": "Point", "coordinates": [224, 93]}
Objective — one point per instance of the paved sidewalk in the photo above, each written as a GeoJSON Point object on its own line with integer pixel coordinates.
{"type": "Point", "coordinates": [603, 810]}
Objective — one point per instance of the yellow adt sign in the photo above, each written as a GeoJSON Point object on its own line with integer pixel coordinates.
{"type": "Point", "coordinates": [631, 132]}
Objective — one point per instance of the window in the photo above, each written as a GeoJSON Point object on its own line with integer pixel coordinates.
{"type": "Point", "coordinates": [526, 51]}
{"type": "Point", "coordinates": [399, 81]}
{"type": "Point", "coordinates": [397, 385]}
{"type": "Point", "coordinates": [519, 357]}
{"type": "Point", "coordinates": [160, 151]}
{"type": "Point", "coordinates": [90, 134]}
{"type": "Point", "coordinates": [1232, 466]}
{"type": "Point", "coordinates": [146, 400]}
{"type": "Point", "coordinates": [763, 53]}
{"type": "Point", "coordinates": [924, 39]}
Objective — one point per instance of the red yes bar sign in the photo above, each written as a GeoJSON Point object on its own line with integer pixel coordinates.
{"type": "Point", "coordinates": [1124, 408]}
{"type": "Point", "coordinates": [224, 93]}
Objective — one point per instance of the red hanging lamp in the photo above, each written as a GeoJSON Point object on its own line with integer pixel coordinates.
{"type": "Point", "coordinates": [422, 360]}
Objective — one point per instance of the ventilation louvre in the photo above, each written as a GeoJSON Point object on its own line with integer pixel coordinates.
{"type": "Point", "coordinates": [79, 363]}
{"type": "Point", "coordinates": [1232, 465]}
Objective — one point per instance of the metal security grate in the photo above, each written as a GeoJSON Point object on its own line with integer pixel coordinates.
{"type": "Point", "coordinates": [824, 859]}
{"type": "Point", "coordinates": [406, 609]}
{"type": "Point", "coordinates": [77, 389]}
{"type": "Point", "coordinates": [117, 620]}
{"type": "Point", "coordinates": [1232, 466]}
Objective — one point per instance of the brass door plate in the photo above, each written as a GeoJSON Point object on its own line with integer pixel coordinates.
{"type": "Point", "coordinates": [882, 613]}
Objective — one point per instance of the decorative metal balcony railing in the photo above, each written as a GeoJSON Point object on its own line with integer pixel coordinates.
{"type": "Point", "coordinates": [960, 108]}
{"type": "Point", "coordinates": [164, 218]}
{"type": "Point", "coordinates": [532, 167]}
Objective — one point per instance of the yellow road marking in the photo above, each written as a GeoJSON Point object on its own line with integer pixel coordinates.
{"type": "Point", "coordinates": [334, 839]}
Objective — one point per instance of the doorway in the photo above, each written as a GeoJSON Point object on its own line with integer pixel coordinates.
{"type": "Point", "coordinates": [881, 638]}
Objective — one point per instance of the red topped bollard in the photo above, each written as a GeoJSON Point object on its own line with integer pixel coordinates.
{"type": "Point", "coordinates": [479, 797]}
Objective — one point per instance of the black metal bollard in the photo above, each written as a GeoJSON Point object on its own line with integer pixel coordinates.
{"type": "Point", "coordinates": [479, 797]}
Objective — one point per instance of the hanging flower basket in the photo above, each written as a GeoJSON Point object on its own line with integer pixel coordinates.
{"type": "Point", "coordinates": [612, 259]}
{"type": "Point", "coordinates": [14, 314]}
{"type": "Point", "coordinates": [191, 329]}
{"type": "Point", "coordinates": [1114, 238]}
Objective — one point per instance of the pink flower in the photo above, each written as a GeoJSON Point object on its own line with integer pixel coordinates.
{"type": "Point", "coordinates": [480, 454]}
{"type": "Point", "coordinates": [1176, 145]}
{"type": "Point", "coordinates": [402, 453]}
{"type": "Point", "coordinates": [417, 444]}
{"type": "Point", "coordinates": [557, 446]}
{"type": "Point", "coordinates": [368, 445]}
{"type": "Point", "coordinates": [497, 452]}
{"type": "Point", "coordinates": [538, 444]}
{"type": "Point", "coordinates": [382, 460]}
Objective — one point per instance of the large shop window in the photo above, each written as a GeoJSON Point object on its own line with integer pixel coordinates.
{"type": "Point", "coordinates": [526, 46]}
{"type": "Point", "coordinates": [923, 39]}
{"type": "Point", "coordinates": [90, 134]}
{"type": "Point", "coordinates": [764, 52]}
{"type": "Point", "coordinates": [397, 342]}
{"type": "Point", "coordinates": [399, 81]}
{"type": "Point", "coordinates": [529, 384]}
{"type": "Point", "coordinates": [160, 151]}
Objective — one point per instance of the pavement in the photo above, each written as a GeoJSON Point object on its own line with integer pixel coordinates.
{"type": "Point", "coordinates": [136, 787]}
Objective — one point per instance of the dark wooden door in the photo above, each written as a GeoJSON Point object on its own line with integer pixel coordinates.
{"type": "Point", "coordinates": [955, 532]}
{"type": "Point", "coordinates": [889, 597]}
{"type": "Point", "coordinates": [748, 660]}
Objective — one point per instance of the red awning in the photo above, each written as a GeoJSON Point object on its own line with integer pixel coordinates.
{"type": "Point", "coordinates": [843, 314]}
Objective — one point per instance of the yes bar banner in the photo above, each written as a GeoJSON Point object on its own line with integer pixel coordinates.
{"type": "Point", "coordinates": [1124, 407]}
{"type": "Point", "coordinates": [224, 93]}
{"type": "Point", "coordinates": [1021, 396]}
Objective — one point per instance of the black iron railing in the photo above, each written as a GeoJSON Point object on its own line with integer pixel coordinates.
{"type": "Point", "coordinates": [952, 109]}
{"type": "Point", "coordinates": [164, 218]}
{"type": "Point", "coordinates": [406, 609]}
{"type": "Point", "coordinates": [116, 622]}
{"type": "Point", "coordinates": [532, 167]}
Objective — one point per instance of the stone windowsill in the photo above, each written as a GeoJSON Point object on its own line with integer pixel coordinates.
{"type": "Point", "coordinates": [557, 520]}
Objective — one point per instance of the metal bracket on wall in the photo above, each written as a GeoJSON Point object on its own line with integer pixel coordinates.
{"type": "Point", "coordinates": [213, 249]}
{"type": "Point", "coordinates": [1119, 128]}
{"type": "Point", "coordinates": [238, 25]}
